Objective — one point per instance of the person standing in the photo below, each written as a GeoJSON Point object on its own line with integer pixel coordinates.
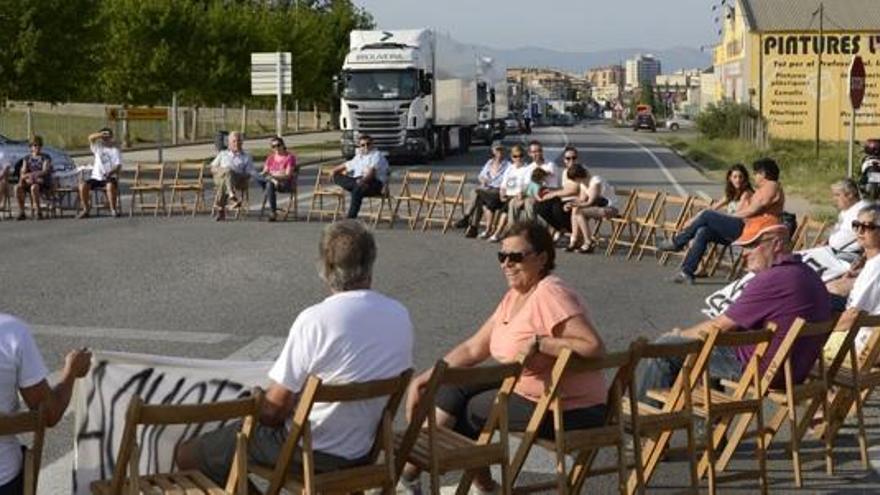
{"type": "Point", "coordinates": [279, 173]}
{"type": "Point", "coordinates": [231, 169]}
{"type": "Point", "coordinates": [105, 172]}
{"type": "Point", "coordinates": [364, 175]}
{"type": "Point", "coordinates": [35, 177]}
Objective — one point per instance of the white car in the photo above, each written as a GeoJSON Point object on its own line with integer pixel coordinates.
{"type": "Point", "coordinates": [680, 121]}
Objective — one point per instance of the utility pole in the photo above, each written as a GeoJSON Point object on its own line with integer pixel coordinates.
{"type": "Point", "coordinates": [821, 46]}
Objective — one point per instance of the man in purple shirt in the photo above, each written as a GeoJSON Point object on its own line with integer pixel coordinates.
{"type": "Point", "coordinates": [783, 289]}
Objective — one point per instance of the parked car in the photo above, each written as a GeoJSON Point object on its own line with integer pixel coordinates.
{"type": "Point", "coordinates": [645, 121]}
{"type": "Point", "coordinates": [11, 150]}
{"type": "Point", "coordinates": [680, 121]}
{"type": "Point", "coordinates": [512, 124]}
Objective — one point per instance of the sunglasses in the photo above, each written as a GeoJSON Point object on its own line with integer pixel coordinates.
{"type": "Point", "coordinates": [866, 226]}
{"type": "Point", "coordinates": [513, 256]}
{"type": "Point", "coordinates": [364, 145]}
{"type": "Point", "coordinates": [516, 156]}
{"type": "Point", "coordinates": [567, 158]}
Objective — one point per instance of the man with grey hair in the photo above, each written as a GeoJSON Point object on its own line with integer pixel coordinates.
{"type": "Point", "coordinates": [354, 335]}
{"type": "Point", "coordinates": [231, 169]}
{"type": "Point", "coordinates": [848, 200]}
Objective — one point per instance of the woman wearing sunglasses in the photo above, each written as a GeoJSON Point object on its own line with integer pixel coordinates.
{"type": "Point", "coordinates": [279, 173]}
{"type": "Point", "coordinates": [865, 293]}
{"type": "Point", "coordinates": [539, 316]}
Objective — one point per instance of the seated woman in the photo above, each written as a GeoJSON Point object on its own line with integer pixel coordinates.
{"type": "Point", "coordinates": [278, 173]}
{"type": "Point", "coordinates": [541, 314]}
{"type": "Point", "coordinates": [595, 200]}
{"type": "Point", "coordinates": [487, 196]}
{"type": "Point", "coordinates": [715, 226]}
{"type": "Point", "coordinates": [513, 185]}
{"type": "Point", "coordinates": [551, 207]}
{"type": "Point", "coordinates": [34, 177]}
{"type": "Point", "coordinates": [865, 293]}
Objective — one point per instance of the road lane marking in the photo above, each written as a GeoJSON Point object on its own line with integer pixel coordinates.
{"type": "Point", "coordinates": [181, 337]}
{"type": "Point", "coordinates": [703, 195]}
{"type": "Point", "coordinates": [656, 160]}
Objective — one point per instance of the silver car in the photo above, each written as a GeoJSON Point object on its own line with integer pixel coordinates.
{"type": "Point", "coordinates": [11, 150]}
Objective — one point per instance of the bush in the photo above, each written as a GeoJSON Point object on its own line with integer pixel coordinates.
{"type": "Point", "coordinates": [723, 119]}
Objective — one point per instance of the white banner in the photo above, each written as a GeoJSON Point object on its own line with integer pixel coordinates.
{"type": "Point", "coordinates": [102, 398]}
{"type": "Point", "coordinates": [821, 259]}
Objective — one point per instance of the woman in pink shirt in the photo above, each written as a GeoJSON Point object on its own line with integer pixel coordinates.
{"type": "Point", "coordinates": [279, 173]}
{"type": "Point", "coordinates": [538, 314]}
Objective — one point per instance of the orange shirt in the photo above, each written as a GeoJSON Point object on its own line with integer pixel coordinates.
{"type": "Point", "coordinates": [551, 303]}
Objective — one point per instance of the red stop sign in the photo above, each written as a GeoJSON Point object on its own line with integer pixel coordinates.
{"type": "Point", "coordinates": [856, 82]}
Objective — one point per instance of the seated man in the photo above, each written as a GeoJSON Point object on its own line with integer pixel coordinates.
{"type": "Point", "coordinates": [105, 172]}
{"type": "Point", "coordinates": [22, 372]}
{"type": "Point", "coordinates": [842, 237]}
{"type": "Point", "coordinates": [354, 335]}
{"type": "Point", "coordinates": [364, 175]}
{"type": "Point", "coordinates": [34, 178]}
{"type": "Point", "coordinates": [783, 289]}
{"type": "Point", "coordinates": [231, 170]}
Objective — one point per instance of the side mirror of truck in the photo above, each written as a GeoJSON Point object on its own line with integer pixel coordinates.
{"type": "Point", "coordinates": [492, 95]}
{"type": "Point", "coordinates": [337, 85]}
{"type": "Point", "coordinates": [427, 87]}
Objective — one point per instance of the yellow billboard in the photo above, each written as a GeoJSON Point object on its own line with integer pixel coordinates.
{"type": "Point", "coordinates": [785, 71]}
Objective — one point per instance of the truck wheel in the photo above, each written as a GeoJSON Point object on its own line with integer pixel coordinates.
{"type": "Point", "coordinates": [673, 127]}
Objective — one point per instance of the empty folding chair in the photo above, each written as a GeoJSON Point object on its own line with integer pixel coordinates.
{"type": "Point", "coordinates": [149, 178]}
{"type": "Point", "coordinates": [448, 197]}
{"type": "Point", "coordinates": [413, 192]}
{"type": "Point", "coordinates": [189, 179]}
{"type": "Point", "coordinates": [641, 210]}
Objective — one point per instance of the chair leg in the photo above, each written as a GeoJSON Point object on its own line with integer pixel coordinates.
{"type": "Point", "coordinates": [795, 445]}
{"type": "Point", "coordinates": [862, 437]}
{"type": "Point", "coordinates": [710, 455]}
{"type": "Point", "coordinates": [761, 443]}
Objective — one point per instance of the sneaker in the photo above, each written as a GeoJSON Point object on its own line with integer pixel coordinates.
{"type": "Point", "coordinates": [115, 213]}
{"type": "Point", "coordinates": [683, 278]}
{"type": "Point", "coordinates": [471, 232]}
{"type": "Point", "coordinates": [494, 238]}
{"type": "Point", "coordinates": [462, 223]}
{"type": "Point", "coordinates": [484, 234]}
{"type": "Point", "coordinates": [667, 245]}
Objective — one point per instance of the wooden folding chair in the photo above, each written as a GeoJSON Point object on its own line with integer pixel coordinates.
{"type": "Point", "coordinates": [786, 401]}
{"type": "Point", "coordinates": [326, 188]}
{"type": "Point", "coordinates": [641, 211]}
{"type": "Point", "coordinates": [584, 444]}
{"type": "Point", "coordinates": [375, 474]}
{"type": "Point", "coordinates": [809, 234]}
{"type": "Point", "coordinates": [719, 409]}
{"type": "Point", "coordinates": [414, 189]}
{"type": "Point", "coordinates": [438, 449]}
{"type": "Point", "coordinates": [647, 422]}
{"type": "Point", "coordinates": [600, 233]}
{"type": "Point", "coordinates": [292, 201]}
{"type": "Point", "coordinates": [189, 177]}
{"type": "Point", "coordinates": [375, 214]}
{"type": "Point", "coordinates": [32, 422]}
{"type": "Point", "coordinates": [448, 200]}
{"type": "Point", "coordinates": [127, 478]}
{"type": "Point", "coordinates": [696, 206]}
{"type": "Point", "coordinates": [853, 377]}
{"type": "Point", "coordinates": [64, 198]}
{"type": "Point", "coordinates": [46, 199]}
{"type": "Point", "coordinates": [668, 219]}
{"type": "Point", "coordinates": [6, 200]}
{"type": "Point", "coordinates": [149, 178]}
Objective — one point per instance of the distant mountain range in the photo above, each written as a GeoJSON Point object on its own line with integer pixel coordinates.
{"type": "Point", "coordinates": [671, 59]}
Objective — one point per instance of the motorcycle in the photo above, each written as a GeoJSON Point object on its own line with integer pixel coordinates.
{"type": "Point", "coordinates": [869, 180]}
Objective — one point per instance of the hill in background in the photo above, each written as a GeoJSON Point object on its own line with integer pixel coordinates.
{"type": "Point", "coordinates": [671, 59]}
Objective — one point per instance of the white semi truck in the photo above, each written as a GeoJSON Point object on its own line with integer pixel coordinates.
{"type": "Point", "coordinates": [413, 91]}
{"type": "Point", "coordinates": [491, 99]}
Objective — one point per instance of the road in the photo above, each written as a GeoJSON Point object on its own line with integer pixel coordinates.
{"type": "Point", "coordinates": [191, 287]}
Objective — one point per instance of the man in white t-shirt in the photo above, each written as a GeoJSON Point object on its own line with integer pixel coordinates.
{"type": "Point", "coordinates": [842, 238]}
{"type": "Point", "coordinates": [354, 335]}
{"type": "Point", "coordinates": [364, 175]}
{"type": "Point", "coordinates": [22, 372]}
{"type": "Point", "coordinates": [105, 172]}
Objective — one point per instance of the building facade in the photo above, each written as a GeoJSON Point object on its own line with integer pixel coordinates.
{"type": "Point", "coordinates": [772, 56]}
{"type": "Point", "coordinates": [641, 70]}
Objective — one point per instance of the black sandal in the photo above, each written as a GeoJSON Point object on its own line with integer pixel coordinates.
{"type": "Point", "coordinates": [588, 247]}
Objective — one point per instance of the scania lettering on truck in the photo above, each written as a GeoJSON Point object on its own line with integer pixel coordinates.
{"type": "Point", "coordinates": [413, 91]}
{"type": "Point", "coordinates": [491, 100]}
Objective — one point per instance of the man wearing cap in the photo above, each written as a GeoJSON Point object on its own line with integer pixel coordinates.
{"type": "Point", "coordinates": [105, 172]}
{"type": "Point", "coordinates": [783, 289]}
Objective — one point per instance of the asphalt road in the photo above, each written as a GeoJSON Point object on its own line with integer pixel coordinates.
{"type": "Point", "coordinates": [191, 287]}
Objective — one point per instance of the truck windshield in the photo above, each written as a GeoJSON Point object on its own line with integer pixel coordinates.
{"type": "Point", "coordinates": [381, 85]}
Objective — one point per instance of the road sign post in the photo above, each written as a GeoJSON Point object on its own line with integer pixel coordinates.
{"type": "Point", "coordinates": [856, 95]}
{"type": "Point", "coordinates": [271, 75]}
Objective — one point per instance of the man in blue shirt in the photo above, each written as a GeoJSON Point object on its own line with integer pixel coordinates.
{"type": "Point", "coordinates": [364, 175]}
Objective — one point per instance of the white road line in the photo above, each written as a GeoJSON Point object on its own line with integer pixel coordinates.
{"type": "Point", "coordinates": [181, 337]}
{"type": "Point", "coordinates": [56, 477]}
{"type": "Point", "coordinates": [703, 195]}
{"type": "Point", "coordinates": [657, 161]}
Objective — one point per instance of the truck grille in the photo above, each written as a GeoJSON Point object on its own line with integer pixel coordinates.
{"type": "Point", "coordinates": [385, 127]}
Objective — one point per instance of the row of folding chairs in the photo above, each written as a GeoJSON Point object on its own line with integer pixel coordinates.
{"type": "Point", "coordinates": [838, 388]}
{"type": "Point", "coordinates": [425, 198]}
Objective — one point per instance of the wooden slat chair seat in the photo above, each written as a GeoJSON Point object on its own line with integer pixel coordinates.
{"type": "Point", "coordinates": [668, 219]}
{"type": "Point", "coordinates": [32, 422]}
{"type": "Point", "coordinates": [448, 197]}
{"type": "Point", "coordinates": [149, 178]}
{"type": "Point", "coordinates": [325, 188]}
{"type": "Point", "coordinates": [292, 200]}
{"type": "Point", "coordinates": [438, 449]}
{"type": "Point", "coordinates": [384, 211]}
{"type": "Point", "coordinates": [126, 477]}
{"type": "Point", "coordinates": [189, 179]}
{"type": "Point", "coordinates": [375, 473]}
{"type": "Point", "coordinates": [584, 444]}
{"type": "Point", "coordinates": [647, 422]}
{"type": "Point", "coordinates": [413, 192]}
{"type": "Point", "coordinates": [641, 210]}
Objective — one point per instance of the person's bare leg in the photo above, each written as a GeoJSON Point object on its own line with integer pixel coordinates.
{"type": "Point", "coordinates": [85, 198]}
{"type": "Point", "coordinates": [19, 198]}
{"type": "Point", "coordinates": [575, 227]}
{"type": "Point", "coordinates": [113, 196]}
{"type": "Point", "coordinates": [35, 198]}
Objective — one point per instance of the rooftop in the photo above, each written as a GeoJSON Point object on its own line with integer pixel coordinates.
{"type": "Point", "coordinates": [797, 15]}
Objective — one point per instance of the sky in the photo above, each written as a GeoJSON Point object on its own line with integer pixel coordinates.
{"type": "Point", "coordinates": [564, 25]}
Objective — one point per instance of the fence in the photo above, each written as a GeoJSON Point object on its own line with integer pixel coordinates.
{"type": "Point", "coordinates": [67, 125]}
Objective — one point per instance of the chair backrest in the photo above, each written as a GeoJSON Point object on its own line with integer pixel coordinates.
{"type": "Point", "coordinates": [139, 413]}
{"type": "Point", "coordinates": [810, 233]}
{"type": "Point", "coordinates": [28, 422]}
{"type": "Point", "coordinates": [673, 211]}
{"type": "Point", "coordinates": [324, 177]}
{"type": "Point", "coordinates": [314, 391]}
{"type": "Point", "coordinates": [189, 172]}
{"type": "Point", "coordinates": [149, 174]}
{"type": "Point", "coordinates": [415, 184]}
{"type": "Point", "coordinates": [450, 187]}
{"type": "Point", "coordinates": [781, 361]}
{"type": "Point", "coordinates": [644, 205]}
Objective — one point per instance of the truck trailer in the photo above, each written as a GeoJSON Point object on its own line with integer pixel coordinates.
{"type": "Point", "coordinates": [491, 100]}
{"type": "Point", "coordinates": [413, 91]}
